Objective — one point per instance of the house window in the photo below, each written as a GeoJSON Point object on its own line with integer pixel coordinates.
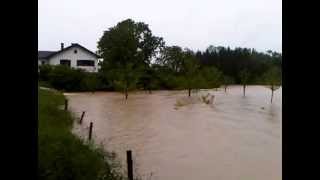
{"type": "Point", "coordinates": [43, 62]}
{"type": "Point", "coordinates": [85, 63]}
{"type": "Point", "coordinates": [66, 62]}
{"type": "Point", "coordinates": [75, 51]}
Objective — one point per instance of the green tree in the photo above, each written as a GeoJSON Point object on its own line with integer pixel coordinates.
{"type": "Point", "coordinates": [227, 80]}
{"type": "Point", "coordinates": [127, 50]}
{"type": "Point", "coordinates": [211, 77]}
{"type": "Point", "coordinates": [171, 57]}
{"type": "Point", "coordinates": [150, 47]}
{"type": "Point", "coordinates": [244, 78]}
{"type": "Point", "coordinates": [190, 71]}
{"type": "Point", "coordinates": [272, 79]}
{"type": "Point", "coordinates": [149, 79]}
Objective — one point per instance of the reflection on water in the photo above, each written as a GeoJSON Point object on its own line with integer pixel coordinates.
{"type": "Point", "coordinates": [236, 138]}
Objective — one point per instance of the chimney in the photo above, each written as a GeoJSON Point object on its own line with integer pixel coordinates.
{"type": "Point", "coordinates": [62, 46]}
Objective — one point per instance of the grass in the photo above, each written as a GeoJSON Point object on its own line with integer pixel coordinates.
{"type": "Point", "coordinates": [62, 155]}
{"type": "Point", "coordinates": [44, 84]}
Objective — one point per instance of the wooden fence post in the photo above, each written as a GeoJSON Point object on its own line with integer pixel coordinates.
{"type": "Point", "coordinates": [90, 130]}
{"type": "Point", "coordinates": [129, 162]}
{"type": "Point", "coordinates": [83, 112]}
{"type": "Point", "coordinates": [66, 104]}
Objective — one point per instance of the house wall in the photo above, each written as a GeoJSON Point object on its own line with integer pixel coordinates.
{"type": "Point", "coordinates": [73, 57]}
{"type": "Point", "coordinates": [40, 61]}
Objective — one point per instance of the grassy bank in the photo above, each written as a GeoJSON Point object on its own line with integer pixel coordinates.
{"type": "Point", "coordinates": [44, 84]}
{"type": "Point", "coordinates": [62, 155]}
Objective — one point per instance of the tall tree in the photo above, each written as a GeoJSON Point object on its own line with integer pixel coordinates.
{"type": "Point", "coordinates": [127, 50]}
{"type": "Point", "coordinates": [190, 70]}
{"type": "Point", "coordinates": [171, 57]}
{"type": "Point", "coordinates": [150, 47]}
{"type": "Point", "coordinates": [272, 79]}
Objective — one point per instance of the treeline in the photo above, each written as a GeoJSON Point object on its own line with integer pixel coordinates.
{"type": "Point", "coordinates": [232, 61]}
{"type": "Point", "coordinates": [135, 59]}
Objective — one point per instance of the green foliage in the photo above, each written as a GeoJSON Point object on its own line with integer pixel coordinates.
{"type": "Point", "coordinates": [172, 58]}
{"type": "Point", "coordinates": [190, 70]}
{"type": "Point", "coordinates": [90, 82]}
{"type": "Point", "coordinates": [45, 70]}
{"type": "Point", "coordinates": [61, 155]}
{"type": "Point", "coordinates": [65, 78]}
{"type": "Point", "coordinates": [133, 58]}
{"type": "Point", "coordinates": [244, 76]}
{"type": "Point", "coordinates": [44, 84]}
{"type": "Point", "coordinates": [227, 80]}
{"type": "Point", "coordinates": [211, 77]}
{"type": "Point", "coordinates": [232, 61]}
{"type": "Point", "coordinates": [127, 49]}
{"type": "Point", "coordinates": [272, 78]}
{"type": "Point", "coordinates": [149, 79]}
{"type": "Point", "coordinates": [68, 79]}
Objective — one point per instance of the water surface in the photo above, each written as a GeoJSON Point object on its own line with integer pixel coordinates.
{"type": "Point", "coordinates": [236, 138]}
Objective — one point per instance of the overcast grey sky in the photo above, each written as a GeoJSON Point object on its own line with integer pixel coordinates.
{"type": "Point", "coordinates": [195, 24]}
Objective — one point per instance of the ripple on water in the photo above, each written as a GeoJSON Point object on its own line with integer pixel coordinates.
{"type": "Point", "coordinates": [233, 139]}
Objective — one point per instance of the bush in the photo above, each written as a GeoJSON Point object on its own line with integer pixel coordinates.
{"type": "Point", "coordinates": [90, 82]}
{"type": "Point", "coordinates": [44, 72]}
{"type": "Point", "coordinates": [210, 77]}
{"type": "Point", "coordinates": [64, 78]}
{"type": "Point", "coordinates": [69, 79]}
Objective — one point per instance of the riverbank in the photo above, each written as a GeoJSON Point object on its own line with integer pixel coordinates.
{"type": "Point", "coordinates": [61, 154]}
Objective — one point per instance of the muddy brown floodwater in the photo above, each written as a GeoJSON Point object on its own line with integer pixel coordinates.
{"type": "Point", "coordinates": [236, 138]}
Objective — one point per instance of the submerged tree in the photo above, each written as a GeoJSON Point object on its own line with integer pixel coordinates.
{"type": "Point", "coordinates": [272, 79]}
{"type": "Point", "coordinates": [190, 71]}
{"type": "Point", "coordinates": [244, 78]}
{"type": "Point", "coordinates": [227, 80]}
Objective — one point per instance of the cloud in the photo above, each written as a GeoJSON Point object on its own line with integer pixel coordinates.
{"type": "Point", "coordinates": [194, 24]}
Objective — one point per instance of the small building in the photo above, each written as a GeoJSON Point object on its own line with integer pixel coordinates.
{"type": "Point", "coordinates": [75, 56]}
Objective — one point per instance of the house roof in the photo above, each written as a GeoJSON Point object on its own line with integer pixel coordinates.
{"type": "Point", "coordinates": [49, 54]}
{"type": "Point", "coordinates": [44, 54]}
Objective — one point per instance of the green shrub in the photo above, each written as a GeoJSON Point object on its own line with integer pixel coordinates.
{"type": "Point", "coordinates": [69, 79]}
{"type": "Point", "coordinates": [44, 72]}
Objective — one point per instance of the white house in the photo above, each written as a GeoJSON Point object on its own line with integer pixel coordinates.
{"type": "Point", "coordinates": [75, 56]}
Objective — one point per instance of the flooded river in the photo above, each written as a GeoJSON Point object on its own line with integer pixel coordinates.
{"type": "Point", "coordinates": [235, 138]}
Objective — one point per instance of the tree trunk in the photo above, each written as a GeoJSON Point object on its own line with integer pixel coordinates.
{"type": "Point", "coordinates": [225, 88]}
{"type": "Point", "coordinates": [244, 90]}
{"type": "Point", "coordinates": [150, 91]}
{"type": "Point", "coordinates": [126, 92]}
{"type": "Point", "coordinates": [271, 94]}
{"type": "Point", "coordinates": [144, 86]}
{"type": "Point", "coordinates": [189, 92]}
